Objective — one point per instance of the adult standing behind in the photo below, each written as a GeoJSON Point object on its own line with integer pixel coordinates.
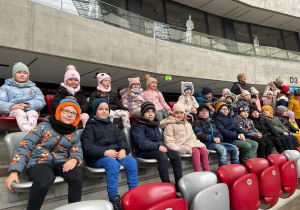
{"type": "Point", "coordinates": [274, 87]}
{"type": "Point", "coordinates": [241, 85]}
{"type": "Point", "coordinates": [295, 106]}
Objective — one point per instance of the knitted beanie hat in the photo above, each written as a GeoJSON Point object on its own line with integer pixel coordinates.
{"type": "Point", "coordinates": [149, 80]}
{"type": "Point", "coordinates": [268, 92]}
{"type": "Point", "coordinates": [178, 107]}
{"type": "Point", "coordinates": [206, 90]}
{"type": "Point", "coordinates": [281, 109]}
{"type": "Point", "coordinates": [219, 106]}
{"type": "Point", "coordinates": [278, 81]}
{"type": "Point", "coordinates": [242, 108]}
{"type": "Point", "coordinates": [71, 73]}
{"type": "Point", "coordinates": [253, 90]}
{"type": "Point", "coordinates": [268, 108]}
{"type": "Point", "coordinates": [297, 92]}
{"type": "Point", "coordinates": [203, 106]}
{"type": "Point", "coordinates": [97, 102]}
{"type": "Point", "coordinates": [102, 76]}
{"type": "Point", "coordinates": [133, 81]}
{"type": "Point", "coordinates": [187, 87]}
{"type": "Point", "coordinates": [231, 95]}
{"type": "Point", "coordinates": [290, 113]}
{"type": "Point", "coordinates": [285, 88]}
{"type": "Point", "coordinates": [68, 102]}
{"type": "Point", "coordinates": [146, 106]}
{"type": "Point", "coordinates": [253, 108]}
{"type": "Point", "coordinates": [245, 92]}
{"type": "Point", "coordinates": [20, 67]}
{"type": "Point", "coordinates": [225, 91]}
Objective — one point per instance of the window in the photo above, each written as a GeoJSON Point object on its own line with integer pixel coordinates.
{"type": "Point", "coordinates": [267, 36]}
{"type": "Point", "coordinates": [153, 9]}
{"type": "Point", "coordinates": [117, 3]}
{"type": "Point", "coordinates": [215, 25]}
{"type": "Point", "coordinates": [241, 32]}
{"type": "Point", "coordinates": [290, 40]}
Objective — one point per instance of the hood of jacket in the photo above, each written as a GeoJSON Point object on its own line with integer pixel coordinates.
{"type": "Point", "coordinates": [171, 120]}
{"type": "Point", "coordinates": [183, 86]}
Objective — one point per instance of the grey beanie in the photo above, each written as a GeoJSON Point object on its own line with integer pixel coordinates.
{"type": "Point", "coordinates": [281, 109]}
{"type": "Point", "coordinates": [19, 67]}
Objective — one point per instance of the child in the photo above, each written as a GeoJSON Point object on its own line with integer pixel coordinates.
{"type": "Point", "coordinates": [267, 130]}
{"type": "Point", "coordinates": [256, 93]}
{"type": "Point", "coordinates": [103, 91]}
{"type": "Point", "coordinates": [70, 88]}
{"type": "Point", "coordinates": [291, 115]}
{"type": "Point", "coordinates": [268, 99]}
{"type": "Point", "coordinates": [230, 101]}
{"type": "Point", "coordinates": [206, 131]}
{"type": "Point", "coordinates": [179, 136]}
{"type": "Point", "coordinates": [105, 146]}
{"type": "Point", "coordinates": [51, 149]}
{"type": "Point", "coordinates": [187, 98]}
{"type": "Point", "coordinates": [156, 97]}
{"type": "Point", "coordinates": [21, 99]}
{"type": "Point", "coordinates": [294, 105]}
{"type": "Point", "coordinates": [225, 93]}
{"type": "Point", "coordinates": [290, 140]}
{"type": "Point", "coordinates": [149, 144]}
{"type": "Point", "coordinates": [282, 97]}
{"type": "Point", "coordinates": [264, 144]}
{"type": "Point", "coordinates": [204, 96]}
{"type": "Point", "coordinates": [244, 98]}
{"type": "Point", "coordinates": [233, 134]}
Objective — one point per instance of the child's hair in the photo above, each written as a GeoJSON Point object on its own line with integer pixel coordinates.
{"type": "Point", "coordinates": [186, 98]}
{"type": "Point", "coordinates": [102, 94]}
{"type": "Point", "coordinates": [128, 91]}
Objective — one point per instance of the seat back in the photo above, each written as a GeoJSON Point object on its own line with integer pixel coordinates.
{"type": "Point", "coordinates": [292, 155]}
{"type": "Point", "coordinates": [277, 160]}
{"type": "Point", "coordinates": [192, 183]}
{"type": "Point", "coordinates": [289, 177]}
{"type": "Point", "coordinates": [171, 204]}
{"type": "Point", "coordinates": [49, 99]}
{"type": "Point", "coordinates": [127, 133]}
{"type": "Point", "coordinates": [88, 205]}
{"type": "Point", "coordinates": [12, 142]}
{"type": "Point", "coordinates": [215, 197]}
{"type": "Point", "coordinates": [79, 132]}
{"type": "Point", "coordinates": [147, 195]}
{"type": "Point", "coordinates": [171, 104]}
{"type": "Point", "coordinates": [257, 165]}
{"type": "Point", "coordinates": [228, 174]}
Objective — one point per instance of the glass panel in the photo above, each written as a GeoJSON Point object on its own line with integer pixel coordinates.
{"type": "Point", "coordinates": [241, 32]}
{"type": "Point", "coordinates": [117, 3]}
{"type": "Point", "coordinates": [215, 25]}
{"type": "Point", "coordinates": [153, 9]}
{"type": "Point", "coordinates": [290, 40]}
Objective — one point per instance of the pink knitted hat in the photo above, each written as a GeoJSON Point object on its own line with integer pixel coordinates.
{"type": "Point", "coordinates": [178, 107]}
{"type": "Point", "coordinates": [102, 76]}
{"type": "Point", "coordinates": [133, 80]}
{"type": "Point", "coordinates": [225, 91]}
{"type": "Point", "coordinates": [71, 73]}
{"type": "Point", "coordinates": [149, 80]}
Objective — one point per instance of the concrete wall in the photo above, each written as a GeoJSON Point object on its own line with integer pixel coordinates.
{"type": "Point", "coordinates": [33, 27]}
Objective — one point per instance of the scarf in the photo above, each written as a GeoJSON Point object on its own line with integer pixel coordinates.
{"type": "Point", "coordinates": [61, 127]}
{"type": "Point", "coordinates": [70, 89]}
{"type": "Point", "coordinates": [151, 123]}
{"type": "Point", "coordinates": [101, 88]}
{"type": "Point", "coordinates": [21, 84]}
{"type": "Point", "coordinates": [107, 120]}
{"type": "Point", "coordinates": [137, 90]}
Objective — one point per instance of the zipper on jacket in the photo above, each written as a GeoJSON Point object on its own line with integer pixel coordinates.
{"type": "Point", "coordinates": [54, 146]}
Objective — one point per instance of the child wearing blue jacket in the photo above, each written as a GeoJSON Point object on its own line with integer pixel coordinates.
{"type": "Point", "coordinates": [20, 98]}
{"type": "Point", "coordinates": [105, 146]}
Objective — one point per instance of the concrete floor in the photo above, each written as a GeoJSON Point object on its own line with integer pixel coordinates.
{"type": "Point", "coordinates": [293, 205]}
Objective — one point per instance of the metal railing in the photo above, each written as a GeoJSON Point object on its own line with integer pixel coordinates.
{"type": "Point", "coordinates": [109, 14]}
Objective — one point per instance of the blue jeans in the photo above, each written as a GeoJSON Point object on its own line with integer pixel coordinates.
{"type": "Point", "coordinates": [164, 113]}
{"type": "Point", "coordinates": [112, 167]}
{"type": "Point", "coordinates": [222, 150]}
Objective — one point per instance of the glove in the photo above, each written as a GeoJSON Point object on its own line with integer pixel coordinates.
{"type": "Point", "coordinates": [181, 152]}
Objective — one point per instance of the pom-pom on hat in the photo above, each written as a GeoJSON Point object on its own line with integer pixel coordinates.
{"type": "Point", "coordinates": [71, 73]}
{"type": "Point", "coordinates": [149, 80]}
{"type": "Point", "coordinates": [68, 102]}
{"type": "Point", "coordinates": [133, 81]}
{"type": "Point", "coordinates": [19, 66]}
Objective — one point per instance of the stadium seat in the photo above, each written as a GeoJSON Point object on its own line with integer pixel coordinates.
{"type": "Point", "coordinates": [12, 142]}
{"type": "Point", "coordinates": [93, 172]}
{"type": "Point", "coordinates": [269, 180]}
{"type": "Point", "coordinates": [88, 205]}
{"type": "Point", "coordinates": [243, 188]}
{"type": "Point", "coordinates": [171, 104]}
{"type": "Point", "coordinates": [216, 197]}
{"type": "Point", "coordinates": [192, 183]}
{"type": "Point", "coordinates": [49, 99]}
{"type": "Point", "coordinates": [147, 195]}
{"type": "Point", "coordinates": [295, 156]}
{"type": "Point", "coordinates": [174, 204]}
{"type": "Point", "coordinates": [288, 172]}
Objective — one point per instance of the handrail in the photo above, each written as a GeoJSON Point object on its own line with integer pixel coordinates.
{"type": "Point", "coordinates": [109, 14]}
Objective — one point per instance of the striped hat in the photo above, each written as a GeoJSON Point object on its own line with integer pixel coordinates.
{"type": "Point", "coordinates": [146, 106]}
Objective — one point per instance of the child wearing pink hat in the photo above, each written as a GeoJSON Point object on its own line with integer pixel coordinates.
{"type": "Point", "coordinates": [225, 93]}
{"type": "Point", "coordinates": [104, 91]}
{"type": "Point", "coordinates": [70, 89]}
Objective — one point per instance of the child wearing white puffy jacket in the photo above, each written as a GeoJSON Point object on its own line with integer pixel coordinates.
{"type": "Point", "coordinates": [20, 98]}
{"type": "Point", "coordinates": [187, 99]}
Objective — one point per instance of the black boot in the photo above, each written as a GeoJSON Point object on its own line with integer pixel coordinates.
{"type": "Point", "coordinates": [116, 202]}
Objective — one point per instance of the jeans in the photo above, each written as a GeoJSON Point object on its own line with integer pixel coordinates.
{"type": "Point", "coordinates": [112, 167]}
{"type": "Point", "coordinates": [291, 141]}
{"type": "Point", "coordinates": [222, 150]}
{"type": "Point", "coordinates": [164, 113]}
{"type": "Point", "coordinates": [43, 176]}
{"type": "Point", "coordinates": [248, 148]}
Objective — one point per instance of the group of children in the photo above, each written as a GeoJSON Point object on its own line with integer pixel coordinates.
{"type": "Point", "coordinates": [54, 148]}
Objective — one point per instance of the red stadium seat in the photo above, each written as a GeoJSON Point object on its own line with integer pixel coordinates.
{"type": "Point", "coordinates": [288, 172]}
{"type": "Point", "coordinates": [49, 99]}
{"type": "Point", "coordinates": [269, 180]}
{"type": "Point", "coordinates": [132, 118]}
{"type": "Point", "coordinates": [171, 104]}
{"type": "Point", "coordinates": [147, 195]}
{"type": "Point", "coordinates": [174, 204]}
{"type": "Point", "coordinates": [243, 188]}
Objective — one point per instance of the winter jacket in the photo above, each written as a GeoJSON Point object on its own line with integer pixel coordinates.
{"type": "Point", "coordinates": [248, 126]}
{"type": "Point", "coordinates": [206, 131]}
{"type": "Point", "coordinates": [36, 146]}
{"type": "Point", "coordinates": [236, 87]}
{"type": "Point", "coordinates": [201, 99]}
{"type": "Point", "coordinates": [286, 122]}
{"type": "Point", "coordinates": [145, 137]}
{"type": "Point", "coordinates": [111, 97]}
{"type": "Point", "coordinates": [188, 102]}
{"type": "Point", "coordinates": [242, 101]}
{"type": "Point", "coordinates": [133, 101]}
{"type": "Point", "coordinates": [179, 135]}
{"type": "Point", "coordinates": [11, 94]}
{"type": "Point", "coordinates": [264, 126]}
{"type": "Point", "coordinates": [271, 102]}
{"type": "Point", "coordinates": [282, 100]}
{"type": "Point", "coordinates": [277, 124]}
{"type": "Point", "coordinates": [294, 105]}
{"type": "Point", "coordinates": [273, 87]}
{"type": "Point", "coordinates": [97, 137]}
{"type": "Point", "coordinates": [228, 127]}
{"type": "Point", "coordinates": [157, 99]}
{"type": "Point", "coordinates": [62, 93]}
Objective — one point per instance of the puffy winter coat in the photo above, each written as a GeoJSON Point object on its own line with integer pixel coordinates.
{"type": "Point", "coordinates": [271, 102]}
{"type": "Point", "coordinates": [277, 124]}
{"type": "Point", "coordinates": [247, 125]}
{"type": "Point", "coordinates": [286, 122]}
{"type": "Point", "coordinates": [36, 148]}
{"type": "Point", "coordinates": [272, 86]}
{"type": "Point", "coordinates": [145, 137]}
{"type": "Point", "coordinates": [11, 94]}
{"type": "Point", "coordinates": [294, 105]}
{"type": "Point", "coordinates": [264, 126]}
{"type": "Point", "coordinates": [157, 99]}
{"type": "Point", "coordinates": [201, 99]}
{"type": "Point", "coordinates": [133, 101]}
{"type": "Point", "coordinates": [282, 100]}
{"type": "Point", "coordinates": [179, 135]}
{"type": "Point", "coordinates": [62, 93]}
{"type": "Point", "coordinates": [188, 101]}
{"type": "Point", "coordinates": [98, 136]}
{"type": "Point", "coordinates": [228, 127]}
{"type": "Point", "coordinates": [111, 97]}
